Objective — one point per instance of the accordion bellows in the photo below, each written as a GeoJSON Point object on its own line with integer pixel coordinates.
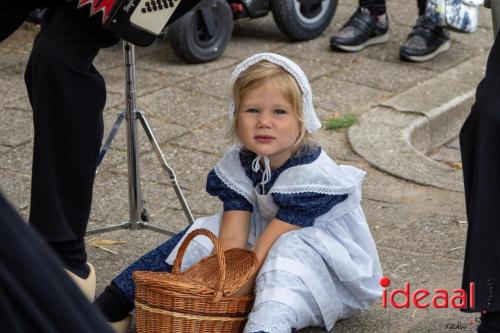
{"type": "Point", "coordinates": [199, 299]}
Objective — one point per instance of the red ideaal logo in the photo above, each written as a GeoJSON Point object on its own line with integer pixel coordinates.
{"type": "Point", "coordinates": [439, 299]}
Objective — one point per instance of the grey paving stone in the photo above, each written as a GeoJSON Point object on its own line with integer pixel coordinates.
{"type": "Point", "coordinates": [191, 168]}
{"type": "Point", "coordinates": [319, 49]}
{"type": "Point", "coordinates": [401, 12]}
{"type": "Point", "coordinates": [479, 41]}
{"type": "Point", "coordinates": [115, 100]}
{"type": "Point", "coordinates": [13, 88]}
{"type": "Point", "coordinates": [185, 108]}
{"type": "Point", "coordinates": [162, 131]}
{"type": "Point", "coordinates": [427, 234]}
{"type": "Point", "coordinates": [399, 157]}
{"type": "Point", "coordinates": [19, 127]}
{"type": "Point", "coordinates": [427, 96]}
{"type": "Point", "coordinates": [485, 18]}
{"type": "Point", "coordinates": [253, 36]}
{"type": "Point", "coordinates": [18, 159]}
{"type": "Point", "coordinates": [384, 76]}
{"type": "Point", "coordinates": [200, 203]}
{"type": "Point", "coordinates": [16, 189]}
{"type": "Point", "coordinates": [215, 83]}
{"type": "Point", "coordinates": [447, 155]}
{"type": "Point", "coordinates": [344, 97]}
{"type": "Point", "coordinates": [454, 144]}
{"type": "Point", "coordinates": [335, 143]}
{"type": "Point", "coordinates": [210, 138]}
{"type": "Point", "coordinates": [110, 198]}
{"type": "Point", "coordinates": [21, 103]}
{"type": "Point", "coordinates": [21, 40]}
{"type": "Point", "coordinates": [147, 80]}
{"type": "Point", "coordinates": [166, 62]}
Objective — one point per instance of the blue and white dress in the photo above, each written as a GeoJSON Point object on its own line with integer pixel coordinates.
{"type": "Point", "coordinates": [313, 276]}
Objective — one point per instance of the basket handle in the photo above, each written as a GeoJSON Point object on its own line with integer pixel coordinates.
{"type": "Point", "coordinates": [218, 251]}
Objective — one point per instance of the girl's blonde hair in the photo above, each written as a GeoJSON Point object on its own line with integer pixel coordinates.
{"type": "Point", "coordinates": [256, 75]}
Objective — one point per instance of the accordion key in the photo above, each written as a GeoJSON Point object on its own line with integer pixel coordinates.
{"type": "Point", "coordinates": [137, 21]}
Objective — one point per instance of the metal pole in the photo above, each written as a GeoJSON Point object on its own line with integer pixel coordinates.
{"type": "Point", "coordinates": [134, 185]}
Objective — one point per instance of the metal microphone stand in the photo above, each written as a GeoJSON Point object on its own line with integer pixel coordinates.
{"type": "Point", "coordinates": [138, 216]}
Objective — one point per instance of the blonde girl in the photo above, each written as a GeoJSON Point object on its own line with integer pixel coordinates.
{"type": "Point", "coordinates": [285, 199]}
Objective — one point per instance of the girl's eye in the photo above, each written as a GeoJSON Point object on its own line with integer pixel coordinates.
{"type": "Point", "coordinates": [252, 110]}
{"type": "Point", "coordinates": [280, 111]}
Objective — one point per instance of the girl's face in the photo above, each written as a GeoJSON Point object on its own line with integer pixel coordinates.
{"type": "Point", "coordinates": [267, 124]}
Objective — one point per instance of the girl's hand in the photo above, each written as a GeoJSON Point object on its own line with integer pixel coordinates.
{"type": "Point", "coordinates": [262, 246]}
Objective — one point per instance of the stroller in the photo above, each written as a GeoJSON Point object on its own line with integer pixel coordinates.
{"type": "Point", "coordinates": [203, 34]}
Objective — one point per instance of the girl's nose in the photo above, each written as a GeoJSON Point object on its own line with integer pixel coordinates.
{"type": "Point", "coordinates": [264, 119]}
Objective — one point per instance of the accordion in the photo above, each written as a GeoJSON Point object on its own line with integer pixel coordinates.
{"type": "Point", "coordinates": [137, 21]}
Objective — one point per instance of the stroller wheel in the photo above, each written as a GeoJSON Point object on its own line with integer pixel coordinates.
{"type": "Point", "coordinates": [303, 19]}
{"type": "Point", "coordinates": [202, 34]}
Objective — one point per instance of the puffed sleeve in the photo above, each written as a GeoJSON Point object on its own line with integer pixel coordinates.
{"type": "Point", "coordinates": [301, 209]}
{"type": "Point", "coordinates": [231, 199]}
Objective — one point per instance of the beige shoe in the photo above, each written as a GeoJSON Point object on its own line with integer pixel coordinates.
{"type": "Point", "coordinates": [87, 286]}
{"type": "Point", "coordinates": [122, 326]}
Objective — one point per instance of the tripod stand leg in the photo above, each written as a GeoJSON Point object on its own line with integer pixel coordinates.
{"type": "Point", "coordinates": [111, 136]}
{"type": "Point", "coordinates": [165, 166]}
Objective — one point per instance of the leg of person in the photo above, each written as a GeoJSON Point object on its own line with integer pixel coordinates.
{"type": "Point", "coordinates": [369, 25]}
{"type": "Point", "coordinates": [481, 161]}
{"type": "Point", "coordinates": [67, 95]}
{"type": "Point", "coordinates": [117, 300]}
{"type": "Point", "coordinates": [36, 295]}
{"type": "Point", "coordinates": [283, 299]}
{"type": "Point", "coordinates": [425, 41]}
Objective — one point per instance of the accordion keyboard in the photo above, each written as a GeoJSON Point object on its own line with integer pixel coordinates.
{"type": "Point", "coordinates": [153, 15]}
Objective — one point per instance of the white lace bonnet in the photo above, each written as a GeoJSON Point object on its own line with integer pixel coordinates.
{"type": "Point", "coordinates": [312, 123]}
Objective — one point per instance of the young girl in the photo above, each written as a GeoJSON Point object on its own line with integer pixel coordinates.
{"type": "Point", "coordinates": [284, 198]}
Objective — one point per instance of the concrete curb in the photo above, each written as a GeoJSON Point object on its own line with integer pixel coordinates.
{"type": "Point", "coordinates": [395, 135]}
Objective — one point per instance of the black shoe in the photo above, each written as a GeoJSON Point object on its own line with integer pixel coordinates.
{"type": "Point", "coordinates": [361, 30]}
{"type": "Point", "coordinates": [424, 42]}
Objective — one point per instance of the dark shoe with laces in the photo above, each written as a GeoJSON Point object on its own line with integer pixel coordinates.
{"type": "Point", "coordinates": [425, 42]}
{"type": "Point", "coordinates": [361, 30]}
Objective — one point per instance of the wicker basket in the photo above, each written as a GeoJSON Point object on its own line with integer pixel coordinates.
{"type": "Point", "coordinates": [199, 299]}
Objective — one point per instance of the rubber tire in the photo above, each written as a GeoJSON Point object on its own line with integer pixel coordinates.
{"type": "Point", "coordinates": [184, 38]}
{"type": "Point", "coordinates": [292, 25]}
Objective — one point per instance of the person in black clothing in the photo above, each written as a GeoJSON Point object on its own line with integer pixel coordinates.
{"type": "Point", "coordinates": [369, 25]}
{"type": "Point", "coordinates": [67, 95]}
{"type": "Point", "coordinates": [36, 295]}
{"type": "Point", "coordinates": [479, 140]}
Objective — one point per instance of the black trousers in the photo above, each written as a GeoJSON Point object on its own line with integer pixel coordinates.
{"type": "Point", "coordinates": [377, 7]}
{"type": "Point", "coordinates": [67, 95]}
{"type": "Point", "coordinates": [36, 295]}
{"type": "Point", "coordinates": [479, 139]}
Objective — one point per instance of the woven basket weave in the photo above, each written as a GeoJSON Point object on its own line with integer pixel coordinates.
{"type": "Point", "coordinates": [198, 300]}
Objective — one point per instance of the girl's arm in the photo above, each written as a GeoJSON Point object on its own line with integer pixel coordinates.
{"type": "Point", "coordinates": [234, 229]}
{"type": "Point", "coordinates": [262, 246]}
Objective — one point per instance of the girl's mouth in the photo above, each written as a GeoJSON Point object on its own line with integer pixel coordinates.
{"type": "Point", "coordinates": [263, 138]}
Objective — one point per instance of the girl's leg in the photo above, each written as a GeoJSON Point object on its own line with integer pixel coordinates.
{"type": "Point", "coordinates": [271, 317]}
{"type": "Point", "coordinates": [117, 300]}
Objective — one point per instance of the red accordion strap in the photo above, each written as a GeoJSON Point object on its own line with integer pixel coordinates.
{"type": "Point", "coordinates": [104, 6]}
